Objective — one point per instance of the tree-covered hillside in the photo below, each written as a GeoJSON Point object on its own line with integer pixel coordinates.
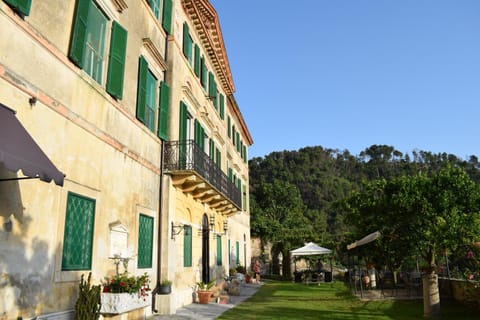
{"type": "Point", "coordinates": [313, 179]}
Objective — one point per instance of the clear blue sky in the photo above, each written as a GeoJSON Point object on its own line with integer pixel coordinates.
{"type": "Point", "coordinates": [346, 74]}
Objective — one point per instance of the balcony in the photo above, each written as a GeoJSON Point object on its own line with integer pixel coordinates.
{"type": "Point", "coordinates": [194, 172]}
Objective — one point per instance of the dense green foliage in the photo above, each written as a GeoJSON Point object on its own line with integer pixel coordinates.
{"type": "Point", "coordinates": [321, 179]}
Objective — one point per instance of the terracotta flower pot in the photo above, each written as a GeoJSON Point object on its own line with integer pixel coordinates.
{"type": "Point", "coordinates": [204, 296]}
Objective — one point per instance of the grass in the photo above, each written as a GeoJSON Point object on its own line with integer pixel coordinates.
{"type": "Point", "coordinates": [286, 300]}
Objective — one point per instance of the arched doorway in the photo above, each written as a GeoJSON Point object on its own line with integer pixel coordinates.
{"type": "Point", "coordinates": [205, 250]}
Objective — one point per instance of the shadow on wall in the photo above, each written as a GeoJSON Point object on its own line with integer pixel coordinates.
{"type": "Point", "coordinates": [26, 269]}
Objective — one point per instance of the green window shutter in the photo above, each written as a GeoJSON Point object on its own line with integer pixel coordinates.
{"type": "Point", "coordinates": [203, 73]}
{"type": "Point", "coordinates": [237, 252]}
{"type": "Point", "coordinates": [183, 122]}
{"type": "Point", "coordinates": [142, 88]}
{"type": "Point", "coordinates": [79, 39]}
{"type": "Point", "coordinates": [218, 158]}
{"type": "Point", "coordinates": [229, 253]}
{"type": "Point", "coordinates": [155, 6]}
{"type": "Point", "coordinates": [212, 88]}
{"type": "Point", "coordinates": [244, 198]}
{"type": "Point", "coordinates": [222, 107]}
{"type": "Point", "coordinates": [229, 129]}
{"type": "Point", "coordinates": [145, 242]}
{"type": "Point", "coordinates": [182, 135]}
{"type": "Point", "coordinates": [78, 236]}
{"type": "Point", "coordinates": [238, 141]}
{"type": "Point", "coordinates": [163, 112]}
{"type": "Point", "coordinates": [187, 246]}
{"type": "Point", "coordinates": [196, 64]}
{"type": "Point", "coordinates": [187, 43]}
{"type": "Point", "coordinates": [21, 6]}
{"type": "Point", "coordinates": [167, 16]}
{"type": "Point", "coordinates": [219, 250]}
{"type": "Point", "coordinates": [234, 135]}
{"type": "Point", "coordinates": [230, 174]}
{"type": "Point", "coordinates": [116, 67]}
{"type": "Point", "coordinates": [196, 132]}
{"type": "Point", "coordinates": [212, 150]}
{"type": "Point", "coordinates": [245, 154]}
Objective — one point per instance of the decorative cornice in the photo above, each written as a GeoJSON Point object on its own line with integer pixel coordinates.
{"type": "Point", "coordinates": [205, 20]}
{"type": "Point", "coordinates": [153, 51]}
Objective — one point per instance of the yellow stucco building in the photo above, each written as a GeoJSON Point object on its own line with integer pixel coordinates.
{"type": "Point", "coordinates": [141, 156]}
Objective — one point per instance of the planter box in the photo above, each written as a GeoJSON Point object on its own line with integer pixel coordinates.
{"type": "Point", "coordinates": [115, 303]}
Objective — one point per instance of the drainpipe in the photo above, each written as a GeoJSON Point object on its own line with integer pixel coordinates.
{"type": "Point", "coordinates": [160, 204]}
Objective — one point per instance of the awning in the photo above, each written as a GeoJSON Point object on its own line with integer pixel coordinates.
{"type": "Point", "coordinates": [18, 150]}
{"type": "Point", "coordinates": [367, 239]}
{"type": "Point", "coordinates": [310, 249]}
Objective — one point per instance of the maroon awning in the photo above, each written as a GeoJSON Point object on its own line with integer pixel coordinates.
{"type": "Point", "coordinates": [18, 150]}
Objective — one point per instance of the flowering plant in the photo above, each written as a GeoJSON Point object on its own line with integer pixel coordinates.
{"type": "Point", "coordinates": [121, 283]}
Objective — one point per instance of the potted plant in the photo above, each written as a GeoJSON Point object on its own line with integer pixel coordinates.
{"type": "Point", "coordinates": [165, 287]}
{"type": "Point", "coordinates": [123, 293]}
{"type": "Point", "coordinates": [204, 292]}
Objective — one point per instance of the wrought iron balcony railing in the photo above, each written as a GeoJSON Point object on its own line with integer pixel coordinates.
{"type": "Point", "coordinates": [188, 156]}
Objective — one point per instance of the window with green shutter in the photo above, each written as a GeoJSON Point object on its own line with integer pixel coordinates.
{"type": "Point", "coordinates": [222, 107]}
{"type": "Point", "coordinates": [187, 246]}
{"type": "Point", "coordinates": [145, 242]}
{"type": "Point", "coordinates": [203, 73]}
{"type": "Point", "coordinates": [219, 250]}
{"type": "Point", "coordinates": [146, 95]}
{"type": "Point", "coordinates": [237, 253]}
{"type": "Point", "coordinates": [95, 43]}
{"type": "Point", "coordinates": [88, 43]}
{"type": "Point", "coordinates": [162, 131]}
{"type": "Point", "coordinates": [116, 66]}
{"type": "Point", "coordinates": [182, 134]}
{"type": "Point", "coordinates": [20, 6]}
{"type": "Point", "coordinates": [218, 157]}
{"type": "Point", "coordinates": [196, 64]}
{"type": "Point", "coordinates": [244, 198]}
{"type": "Point", "coordinates": [229, 128]}
{"type": "Point", "coordinates": [187, 43]}
{"type": "Point", "coordinates": [78, 233]}
{"type": "Point", "coordinates": [155, 6]}
{"type": "Point", "coordinates": [212, 150]}
{"type": "Point", "coordinates": [212, 88]}
{"type": "Point", "coordinates": [167, 16]}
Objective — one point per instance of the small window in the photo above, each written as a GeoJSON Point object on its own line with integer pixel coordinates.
{"type": "Point", "coordinates": [78, 234]}
{"type": "Point", "coordinates": [237, 253]}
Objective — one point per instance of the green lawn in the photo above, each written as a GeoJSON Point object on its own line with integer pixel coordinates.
{"type": "Point", "coordinates": [286, 300]}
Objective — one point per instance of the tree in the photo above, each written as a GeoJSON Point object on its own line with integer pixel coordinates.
{"type": "Point", "coordinates": [277, 216]}
{"type": "Point", "coordinates": [425, 214]}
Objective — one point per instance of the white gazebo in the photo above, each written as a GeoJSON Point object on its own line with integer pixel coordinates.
{"type": "Point", "coordinates": [310, 249]}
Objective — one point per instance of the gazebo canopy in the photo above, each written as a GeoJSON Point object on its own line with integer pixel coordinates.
{"type": "Point", "coordinates": [310, 249]}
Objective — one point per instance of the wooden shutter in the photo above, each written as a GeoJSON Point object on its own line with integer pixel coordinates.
{"type": "Point", "coordinates": [20, 6]}
{"type": "Point", "coordinates": [142, 88]}
{"type": "Point", "coordinates": [78, 40]}
{"type": "Point", "coordinates": [218, 158]}
{"type": "Point", "coordinates": [212, 150]}
{"type": "Point", "coordinates": [167, 16]}
{"type": "Point", "coordinates": [163, 111]}
{"type": "Point", "coordinates": [203, 73]}
{"type": "Point", "coordinates": [145, 242]}
{"type": "Point", "coordinates": [229, 129]}
{"type": "Point", "coordinates": [116, 66]}
{"type": "Point", "coordinates": [222, 107]}
{"type": "Point", "coordinates": [237, 252]}
{"type": "Point", "coordinates": [187, 246]}
{"type": "Point", "coordinates": [219, 250]}
{"type": "Point", "coordinates": [196, 63]}
{"type": "Point", "coordinates": [78, 234]}
{"type": "Point", "coordinates": [183, 122]}
{"type": "Point", "coordinates": [187, 42]}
